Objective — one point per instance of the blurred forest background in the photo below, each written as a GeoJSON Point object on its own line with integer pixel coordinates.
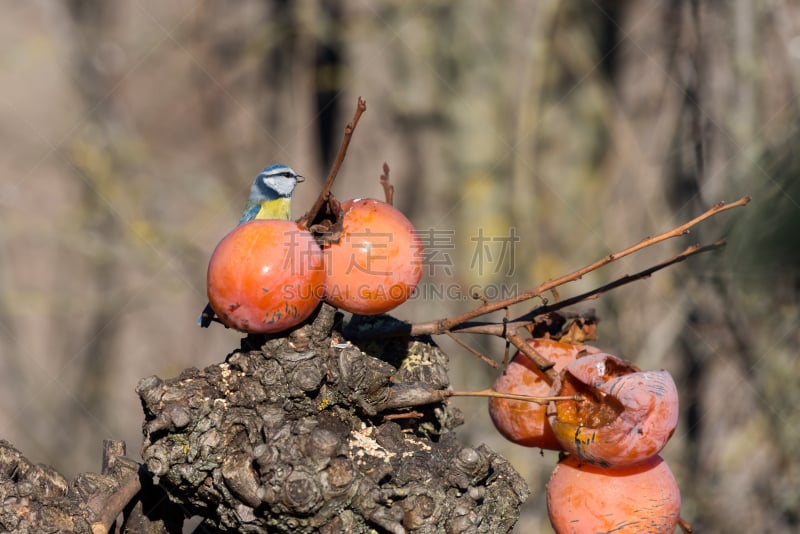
{"type": "Point", "coordinates": [131, 132]}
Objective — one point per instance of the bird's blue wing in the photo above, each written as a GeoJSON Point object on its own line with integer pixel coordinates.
{"type": "Point", "coordinates": [250, 212]}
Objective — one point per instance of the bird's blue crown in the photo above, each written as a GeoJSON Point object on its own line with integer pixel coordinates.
{"type": "Point", "coordinates": [275, 181]}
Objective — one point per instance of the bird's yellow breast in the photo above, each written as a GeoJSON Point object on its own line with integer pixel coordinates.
{"type": "Point", "coordinates": [275, 209]}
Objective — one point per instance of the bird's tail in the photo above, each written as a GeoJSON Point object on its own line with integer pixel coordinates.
{"type": "Point", "coordinates": [206, 316]}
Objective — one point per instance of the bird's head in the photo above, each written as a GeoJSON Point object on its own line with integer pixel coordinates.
{"type": "Point", "coordinates": [273, 182]}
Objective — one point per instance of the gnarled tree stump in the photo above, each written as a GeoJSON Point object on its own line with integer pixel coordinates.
{"type": "Point", "coordinates": [313, 433]}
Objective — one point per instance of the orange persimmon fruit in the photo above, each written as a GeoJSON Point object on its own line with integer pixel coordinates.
{"type": "Point", "coordinates": [624, 417]}
{"type": "Point", "coordinates": [583, 497]}
{"type": "Point", "coordinates": [265, 276]}
{"type": "Point", "coordinates": [523, 422]}
{"type": "Point", "coordinates": [377, 262]}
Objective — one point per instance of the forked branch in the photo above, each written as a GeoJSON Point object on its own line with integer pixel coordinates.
{"type": "Point", "coordinates": [448, 324]}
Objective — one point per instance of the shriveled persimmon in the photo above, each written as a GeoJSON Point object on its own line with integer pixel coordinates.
{"type": "Point", "coordinates": [624, 417]}
{"type": "Point", "coordinates": [582, 497]}
{"type": "Point", "coordinates": [522, 422]}
{"type": "Point", "coordinates": [377, 262]}
{"type": "Point", "coordinates": [265, 276]}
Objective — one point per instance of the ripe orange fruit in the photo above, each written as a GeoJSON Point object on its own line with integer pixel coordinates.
{"type": "Point", "coordinates": [625, 416]}
{"type": "Point", "coordinates": [582, 497]}
{"type": "Point", "coordinates": [265, 276]}
{"type": "Point", "coordinates": [377, 262]}
{"type": "Point", "coordinates": [522, 422]}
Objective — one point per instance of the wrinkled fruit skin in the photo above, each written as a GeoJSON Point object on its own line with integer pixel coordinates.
{"type": "Point", "coordinates": [265, 276]}
{"type": "Point", "coordinates": [582, 497]}
{"type": "Point", "coordinates": [377, 262]}
{"type": "Point", "coordinates": [626, 417]}
{"type": "Point", "coordinates": [525, 423]}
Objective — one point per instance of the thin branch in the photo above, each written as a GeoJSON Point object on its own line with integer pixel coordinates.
{"type": "Point", "coordinates": [544, 366]}
{"type": "Point", "coordinates": [485, 359]}
{"type": "Point", "coordinates": [506, 319]}
{"type": "Point", "coordinates": [403, 395]}
{"type": "Point", "coordinates": [388, 188]}
{"type": "Point", "coordinates": [306, 220]}
{"type": "Point", "coordinates": [405, 415]}
{"type": "Point", "coordinates": [498, 329]}
{"type": "Point", "coordinates": [443, 325]}
{"type": "Point", "coordinates": [513, 396]}
{"type": "Point", "coordinates": [627, 279]}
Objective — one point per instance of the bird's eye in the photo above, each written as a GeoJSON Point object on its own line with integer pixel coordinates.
{"type": "Point", "coordinates": [287, 174]}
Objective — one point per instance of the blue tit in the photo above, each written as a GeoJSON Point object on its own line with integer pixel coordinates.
{"type": "Point", "coordinates": [271, 194]}
{"type": "Point", "coordinates": [270, 198]}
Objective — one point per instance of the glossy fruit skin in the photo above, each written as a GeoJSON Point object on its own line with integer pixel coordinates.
{"type": "Point", "coordinates": [626, 417]}
{"type": "Point", "coordinates": [265, 276]}
{"type": "Point", "coordinates": [582, 497]}
{"type": "Point", "coordinates": [377, 262]}
{"type": "Point", "coordinates": [525, 423]}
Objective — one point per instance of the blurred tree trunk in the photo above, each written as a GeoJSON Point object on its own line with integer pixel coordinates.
{"type": "Point", "coordinates": [92, 161]}
{"type": "Point", "coordinates": [700, 57]}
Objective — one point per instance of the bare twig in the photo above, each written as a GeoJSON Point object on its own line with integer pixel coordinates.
{"type": "Point", "coordinates": [544, 366]}
{"type": "Point", "coordinates": [443, 325]}
{"type": "Point", "coordinates": [627, 279]}
{"type": "Point", "coordinates": [506, 319]}
{"type": "Point", "coordinates": [512, 396]}
{"type": "Point", "coordinates": [498, 329]}
{"type": "Point", "coordinates": [405, 415]}
{"type": "Point", "coordinates": [408, 394]}
{"type": "Point", "coordinates": [485, 359]}
{"type": "Point", "coordinates": [388, 188]}
{"type": "Point", "coordinates": [685, 525]}
{"type": "Point", "coordinates": [477, 294]}
{"type": "Point", "coordinates": [308, 219]}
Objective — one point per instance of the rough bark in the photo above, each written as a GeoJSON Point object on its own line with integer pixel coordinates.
{"type": "Point", "coordinates": [36, 498]}
{"type": "Point", "coordinates": [295, 434]}
{"type": "Point", "coordinates": [291, 435]}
